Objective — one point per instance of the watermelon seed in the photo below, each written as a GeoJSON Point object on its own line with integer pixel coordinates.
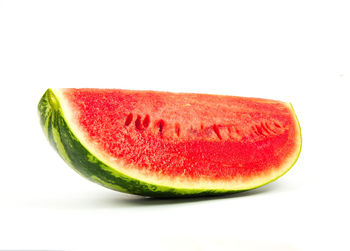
{"type": "Point", "coordinates": [161, 124]}
{"type": "Point", "coordinates": [230, 131]}
{"type": "Point", "coordinates": [264, 128]}
{"type": "Point", "coordinates": [177, 129]}
{"type": "Point", "coordinates": [259, 129]}
{"type": "Point", "coordinates": [146, 121]}
{"type": "Point", "coordinates": [277, 125]}
{"type": "Point", "coordinates": [269, 128]}
{"type": "Point", "coordinates": [138, 122]}
{"type": "Point", "coordinates": [128, 119]}
{"type": "Point", "coordinates": [233, 129]}
{"type": "Point", "coordinates": [237, 131]}
{"type": "Point", "coordinates": [255, 130]}
{"type": "Point", "coordinates": [216, 130]}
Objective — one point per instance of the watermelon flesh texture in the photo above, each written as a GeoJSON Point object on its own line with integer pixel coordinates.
{"type": "Point", "coordinates": [171, 144]}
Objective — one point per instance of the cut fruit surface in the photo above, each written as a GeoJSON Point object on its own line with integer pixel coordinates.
{"type": "Point", "coordinates": [171, 144]}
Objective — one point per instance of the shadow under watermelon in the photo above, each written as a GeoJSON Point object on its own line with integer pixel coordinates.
{"type": "Point", "coordinates": [135, 200]}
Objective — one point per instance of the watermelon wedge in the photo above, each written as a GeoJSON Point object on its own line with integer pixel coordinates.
{"type": "Point", "coordinates": [162, 144]}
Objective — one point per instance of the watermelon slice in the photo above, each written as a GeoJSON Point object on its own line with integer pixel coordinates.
{"type": "Point", "coordinates": [162, 144]}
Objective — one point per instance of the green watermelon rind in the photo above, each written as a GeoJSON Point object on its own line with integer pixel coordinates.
{"type": "Point", "coordinates": [75, 154]}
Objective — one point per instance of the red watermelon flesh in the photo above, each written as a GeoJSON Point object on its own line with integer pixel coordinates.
{"type": "Point", "coordinates": [185, 140]}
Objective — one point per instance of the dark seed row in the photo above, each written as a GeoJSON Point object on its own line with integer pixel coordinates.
{"type": "Point", "coordinates": [141, 124]}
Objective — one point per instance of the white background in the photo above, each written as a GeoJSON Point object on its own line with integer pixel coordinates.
{"type": "Point", "coordinates": [297, 51]}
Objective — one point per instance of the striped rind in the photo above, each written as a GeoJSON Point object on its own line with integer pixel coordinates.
{"type": "Point", "coordinates": [74, 153]}
{"type": "Point", "coordinates": [86, 164]}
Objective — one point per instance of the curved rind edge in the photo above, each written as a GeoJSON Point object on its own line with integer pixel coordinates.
{"type": "Point", "coordinates": [75, 154]}
{"type": "Point", "coordinates": [299, 151]}
{"type": "Point", "coordinates": [86, 164]}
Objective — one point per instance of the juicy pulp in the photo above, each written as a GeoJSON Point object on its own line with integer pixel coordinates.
{"type": "Point", "coordinates": [183, 141]}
